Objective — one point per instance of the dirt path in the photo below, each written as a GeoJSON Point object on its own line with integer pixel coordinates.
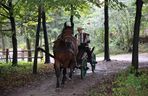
{"type": "Point", "coordinates": [77, 86]}
{"type": "Point", "coordinates": [143, 57]}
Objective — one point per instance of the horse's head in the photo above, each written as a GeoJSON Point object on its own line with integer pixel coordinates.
{"type": "Point", "coordinates": [67, 30]}
{"type": "Point", "coordinates": [67, 35]}
{"type": "Point", "coordinates": [68, 41]}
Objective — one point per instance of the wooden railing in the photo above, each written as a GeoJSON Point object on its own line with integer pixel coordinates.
{"type": "Point", "coordinates": [6, 55]}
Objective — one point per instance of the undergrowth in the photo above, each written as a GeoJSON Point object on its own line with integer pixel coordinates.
{"type": "Point", "coordinates": [122, 84]}
{"type": "Point", "coordinates": [128, 84]}
{"type": "Point", "coordinates": [21, 75]}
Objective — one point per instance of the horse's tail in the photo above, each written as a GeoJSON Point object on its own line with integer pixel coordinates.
{"type": "Point", "coordinates": [41, 49]}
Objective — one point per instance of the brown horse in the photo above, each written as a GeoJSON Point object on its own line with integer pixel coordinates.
{"type": "Point", "coordinates": [65, 50]}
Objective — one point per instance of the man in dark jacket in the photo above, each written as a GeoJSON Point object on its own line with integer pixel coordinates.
{"type": "Point", "coordinates": [83, 42]}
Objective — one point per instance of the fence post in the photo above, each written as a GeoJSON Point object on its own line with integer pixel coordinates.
{"type": "Point", "coordinates": [7, 55]}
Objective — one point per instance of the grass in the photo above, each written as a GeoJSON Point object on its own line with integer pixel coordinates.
{"type": "Point", "coordinates": [122, 84]}
{"type": "Point", "coordinates": [128, 84]}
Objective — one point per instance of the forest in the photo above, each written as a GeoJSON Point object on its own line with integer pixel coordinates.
{"type": "Point", "coordinates": [116, 28]}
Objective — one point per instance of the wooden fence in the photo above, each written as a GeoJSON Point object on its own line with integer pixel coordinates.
{"type": "Point", "coordinates": [7, 55]}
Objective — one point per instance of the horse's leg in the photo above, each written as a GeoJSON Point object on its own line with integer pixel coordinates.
{"type": "Point", "coordinates": [57, 72]}
{"type": "Point", "coordinates": [64, 76]}
{"type": "Point", "coordinates": [72, 67]}
{"type": "Point", "coordinates": [71, 73]}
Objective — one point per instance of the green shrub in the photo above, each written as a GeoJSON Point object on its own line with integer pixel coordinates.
{"type": "Point", "coordinates": [122, 84]}
{"type": "Point", "coordinates": [23, 67]}
{"type": "Point", "coordinates": [128, 84]}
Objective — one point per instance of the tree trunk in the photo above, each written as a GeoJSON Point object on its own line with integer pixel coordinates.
{"type": "Point", "coordinates": [106, 35]}
{"type": "Point", "coordinates": [135, 61]}
{"type": "Point", "coordinates": [29, 49]}
{"type": "Point", "coordinates": [37, 41]}
{"type": "Point", "coordinates": [47, 58]}
{"type": "Point", "coordinates": [14, 40]}
{"type": "Point", "coordinates": [71, 19]}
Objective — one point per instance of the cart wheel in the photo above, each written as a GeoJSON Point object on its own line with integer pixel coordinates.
{"type": "Point", "coordinates": [83, 68]}
{"type": "Point", "coordinates": [94, 62]}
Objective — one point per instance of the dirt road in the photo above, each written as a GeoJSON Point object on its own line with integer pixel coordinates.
{"type": "Point", "coordinates": [77, 86]}
{"type": "Point", "coordinates": [143, 57]}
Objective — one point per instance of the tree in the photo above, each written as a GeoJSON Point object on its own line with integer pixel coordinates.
{"type": "Point", "coordinates": [106, 34]}
{"type": "Point", "coordinates": [9, 8]}
{"type": "Point", "coordinates": [98, 3]}
{"type": "Point", "coordinates": [139, 4]}
{"type": "Point", "coordinates": [37, 40]}
{"type": "Point", "coordinates": [47, 59]}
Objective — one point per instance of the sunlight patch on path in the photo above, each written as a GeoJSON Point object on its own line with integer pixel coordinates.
{"type": "Point", "coordinates": [143, 57]}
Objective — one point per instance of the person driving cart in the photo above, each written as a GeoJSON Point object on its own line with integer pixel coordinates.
{"type": "Point", "coordinates": [83, 42]}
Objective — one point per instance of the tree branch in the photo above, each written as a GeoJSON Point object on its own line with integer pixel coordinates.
{"type": "Point", "coordinates": [16, 3]}
{"type": "Point", "coordinates": [6, 30]}
{"type": "Point", "coordinates": [6, 10]}
{"type": "Point", "coordinates": [4, 22]}
{"type": "Point", "coordinates": [4, 16]}
{"type": "Point", "coordinates": [96, 2]}
{"type": "Point", "coordinates": [5, 6]}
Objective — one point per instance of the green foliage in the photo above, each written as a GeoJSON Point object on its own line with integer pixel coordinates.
{"type": "Point", "coordinates": [23, 67]}
{"type": "Point", "coordinates": [129, 85]}
{"type": "Point", "coordinates": [145, 1]}
{"type": "Point", "coordinates": [115, 4]}
{"type": "Point", "coordinates": [121, 28]}
{"type": "Point", "coordinates": [88, 16]}
{"type": "Point", "coordinates": [122, 84]}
